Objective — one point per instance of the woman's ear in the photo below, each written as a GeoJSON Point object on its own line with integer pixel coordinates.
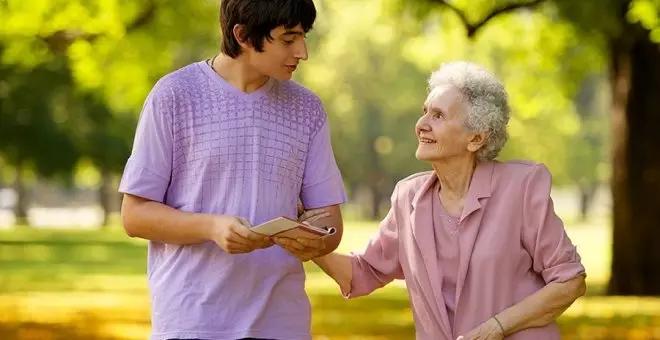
{"type": "Point", "coordinates": [477, 142]}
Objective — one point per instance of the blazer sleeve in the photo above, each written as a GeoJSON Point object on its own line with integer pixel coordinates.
{"type": "Point", "coordinates": [378, 264]}
{"type": "Point", "coordinates": [554, 256]}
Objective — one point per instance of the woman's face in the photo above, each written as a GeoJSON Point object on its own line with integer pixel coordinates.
{"type": "Point", "coordinates": [441, 131]}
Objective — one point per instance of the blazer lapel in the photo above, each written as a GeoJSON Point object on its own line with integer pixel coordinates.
{"type": "Point", "coordinates": [421, 221]}
{"type": "Point", "coordinates": [479, 191]}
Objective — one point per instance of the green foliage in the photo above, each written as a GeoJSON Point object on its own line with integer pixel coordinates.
{"type": "Point", "coordinates": [646, 13]}
{"type": "Point", "coordinates": [107, 55]}
{"type": "Point", "coordinates": [373, 94]}
{"type": "Point", "coordinates": [371, 68]}
{"type": "Point", "coordinates": [33, 133]}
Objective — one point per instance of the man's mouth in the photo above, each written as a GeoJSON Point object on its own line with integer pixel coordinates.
{"type": "Point", "coordinates": [424, 140]}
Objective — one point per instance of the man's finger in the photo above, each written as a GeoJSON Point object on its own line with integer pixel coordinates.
{"type": "Point", "coordinates": [244, 222]}
{"type": "Point", "coordinates": [237, 238]}
{"type": "Point", "coordinates": [237, 249]}
{"type": "Point", "coordinates": [290, 244]}
{"type": "Point", "coordinates": [311, 243]}
{"type": "Point", "coordinates": [247, 234]}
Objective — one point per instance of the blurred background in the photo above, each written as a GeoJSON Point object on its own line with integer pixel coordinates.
{"type": "Point", "coordinates": [583, 78]}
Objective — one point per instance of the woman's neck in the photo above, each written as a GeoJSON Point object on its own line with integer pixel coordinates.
{"type": "Point", "coordinates": [454, 176]}
{"type": "Point", "coordinates": [238, 73]}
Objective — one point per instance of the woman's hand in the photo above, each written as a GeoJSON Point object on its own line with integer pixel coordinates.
{"type": "Point", "coordinates": [489, 330]}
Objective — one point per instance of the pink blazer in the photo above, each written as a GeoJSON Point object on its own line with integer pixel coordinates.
{"type": "Point", "coordinates": [511, 245]}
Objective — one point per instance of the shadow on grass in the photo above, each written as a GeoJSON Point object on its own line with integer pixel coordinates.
{"type": "Point", "coordinates": [58, 264]}
{"type": "Point", "coordinates": [382, 315]}
{"type": "Point", "coordinates": [85, 326]}
{"type": "Point", "coordinates": [641, 326]}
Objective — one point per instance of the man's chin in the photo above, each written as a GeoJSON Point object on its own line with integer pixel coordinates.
{"type": "Point", "coordinates": [282, 77]}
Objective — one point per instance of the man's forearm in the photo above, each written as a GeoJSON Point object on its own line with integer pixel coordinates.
{"type": "Point", "coordinates": [542, 307]}
{"type": "Point", "coordinates": [159, 222]}
{"type": "Point", "coordinates": [334, 220]}
{"type": "Point", "coordinates": [339, 267]}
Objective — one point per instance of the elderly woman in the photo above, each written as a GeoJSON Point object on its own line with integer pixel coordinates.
{"type": "Point", "coordinates": [482, 252]}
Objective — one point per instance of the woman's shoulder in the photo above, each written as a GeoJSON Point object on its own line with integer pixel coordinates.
{"type": "Point", "coordinates": [410, 185]}
{"type": "Point", "coordinates": [520, 174]}
{"type": "Point", "coordinates": [519, 168]}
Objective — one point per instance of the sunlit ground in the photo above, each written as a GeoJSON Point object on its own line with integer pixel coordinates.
{"type": "Point", "coordinates": [91, 285]}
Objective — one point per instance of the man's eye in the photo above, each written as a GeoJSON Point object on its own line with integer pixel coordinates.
{"type": "Point", "coordinates": [289, 42]}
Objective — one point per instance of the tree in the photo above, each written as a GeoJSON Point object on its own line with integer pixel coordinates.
{"type": "Point", "coordinates": [33, 135]}
{"type": "Point", "coordinates": [588, 154]}
{"type": "Point", "coordinates": [114, 51]}
{"type": "Point", "coordinates": [372, 93]}
{"type": "Point", "coordinates": [629, 31]}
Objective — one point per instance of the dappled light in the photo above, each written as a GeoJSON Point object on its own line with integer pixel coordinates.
{"type": "Point", "coordinates": [582, 79]}
{"type": "Point", "coordinates": [91, 285]}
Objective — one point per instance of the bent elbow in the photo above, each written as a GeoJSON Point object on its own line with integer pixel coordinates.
{"type": "Point", "coordinates": [129, 225]}
{"type": "Point", "coordinates": [128, 219]}
{"type": "Point", "coordinates": [581, 288]}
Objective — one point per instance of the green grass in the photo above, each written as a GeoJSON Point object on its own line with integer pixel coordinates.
{"type": "Point", "coordinates": [91, 285]}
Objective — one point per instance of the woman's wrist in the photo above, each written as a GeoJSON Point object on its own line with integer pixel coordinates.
{"type": "Point", "coordinates": [499, 324]}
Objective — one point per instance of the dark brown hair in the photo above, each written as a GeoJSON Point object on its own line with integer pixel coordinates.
{"type": "Point", "coordinates": [259, 17]}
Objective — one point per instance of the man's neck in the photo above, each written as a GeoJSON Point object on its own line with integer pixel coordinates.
{"type": "Point", "coordinates": [238, 73]}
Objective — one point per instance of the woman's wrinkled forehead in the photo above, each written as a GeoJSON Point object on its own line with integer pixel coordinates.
{"type": "Point", "coordinates": [445, 98]}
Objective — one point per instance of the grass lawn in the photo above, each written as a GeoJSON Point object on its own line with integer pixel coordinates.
{"type": "Point", "coordinates": [91, 285]}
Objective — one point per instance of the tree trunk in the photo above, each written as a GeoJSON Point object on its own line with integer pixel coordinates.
{"type": "Point", "coordinates": [20, 209]}
{"type": "Point", "coordinates": [376, 200]}
{"type": "Point", "coordinates": [587, 194]}
{"type": "Point", "coordinates": [636, 174]}
{"type": "Point", "coordinates": [104, 195]}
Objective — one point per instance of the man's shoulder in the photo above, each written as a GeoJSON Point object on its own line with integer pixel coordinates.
{"type": "Point", "coordinates": [183, 78]}
{"type": "Point", "coordinates": [300, 93]}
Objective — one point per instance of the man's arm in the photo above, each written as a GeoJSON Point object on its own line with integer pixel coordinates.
{"type": "Point", "coordinates": [333, 220]}
{"type": "Point", "coordinates": [155, 221]}
{"type": "Point", "coordinates": [158, 222]}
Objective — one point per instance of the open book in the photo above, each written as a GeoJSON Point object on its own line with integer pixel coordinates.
{"type": "Point", "coordinates": [286, 227]}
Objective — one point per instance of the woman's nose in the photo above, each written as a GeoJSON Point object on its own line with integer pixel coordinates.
{"type": "Point", "coordinates": [421, 124]}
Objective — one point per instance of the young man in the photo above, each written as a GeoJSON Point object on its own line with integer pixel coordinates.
{"type": "Point", "coordinates": [221, 145]}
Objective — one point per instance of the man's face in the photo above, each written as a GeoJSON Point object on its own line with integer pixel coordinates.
{"type": "Point", "coordinates": [281, 55]}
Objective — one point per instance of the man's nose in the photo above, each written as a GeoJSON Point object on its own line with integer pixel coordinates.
{"type": "Point", "coordinates": [301, 51]}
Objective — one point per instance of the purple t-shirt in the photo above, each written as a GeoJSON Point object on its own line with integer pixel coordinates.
{"type": "Point", "coordinates": [202, 145]}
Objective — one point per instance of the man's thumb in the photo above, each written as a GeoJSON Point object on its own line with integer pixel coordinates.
{"type": "Point", "coordinates": [460, 337]}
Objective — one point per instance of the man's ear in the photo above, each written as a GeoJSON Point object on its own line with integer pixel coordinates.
{"type": "Point", "coordinates": [237, 31]}
{"type": "Point", "coordinates": [477, 142]}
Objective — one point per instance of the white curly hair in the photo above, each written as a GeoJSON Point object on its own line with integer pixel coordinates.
{"type": "Point", "coordinates": [488, 106]}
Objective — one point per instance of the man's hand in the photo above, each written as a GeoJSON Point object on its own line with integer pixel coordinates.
{"type": "Point", "coordinates": [234, 236]}
{"type": "Point", "coordinates": [489, 330]}
{"type": "Point", "coordinates": [312, 215]}
{"type": "Point", "coordinates": [304, 249]}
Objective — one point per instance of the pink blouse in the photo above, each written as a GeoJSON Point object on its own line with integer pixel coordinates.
{"type": "Point", "coordinates": [510, 245]}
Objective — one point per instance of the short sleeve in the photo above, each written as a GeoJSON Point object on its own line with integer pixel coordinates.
{"type": "Point", "coordinates": [322, 181]}
{"type": "Point", "coordinates": [555, 257]}
{"type": "Point", "coordinates": [379, 263]}
{"type": "Point", "coordinates": [148, 170]}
